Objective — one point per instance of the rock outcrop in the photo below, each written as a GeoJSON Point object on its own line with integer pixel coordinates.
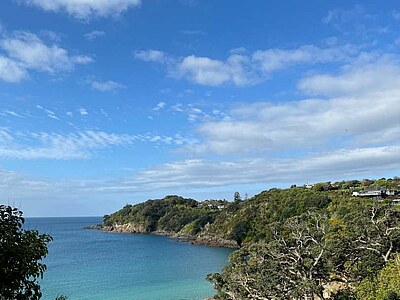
{"type": "Point", "coordinates": [193, 239]}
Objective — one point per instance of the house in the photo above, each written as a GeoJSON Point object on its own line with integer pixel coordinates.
{"type": "Point", "coordinates": [396, 202]}
{"type": "Point", "coordinates": [392, 192]}
{"type": "Point", "coordinates": [374, 193]}
{"type": "Point", "coordinates": [215, 204]}
{"type": "Point", "coordinates": [377, 194]}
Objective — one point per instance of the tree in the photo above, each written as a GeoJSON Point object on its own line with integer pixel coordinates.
{"type": "Point", "coordinates": [236, 197]}
{"type": "Point", "coordinates": [21, 252]}
{"type": "Point", "coordinates": [239, 232]}
{"type": "Point", "coordinates": [385, 286]}
{"type": "Point", "coordinates": [372, 237]}
{"type": "Point", "coordinates": [292, 264]}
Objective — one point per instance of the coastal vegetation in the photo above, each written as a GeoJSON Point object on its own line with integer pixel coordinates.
{"type": "Point", "coordinates": [21, 252]}
{"type": "Point", "coordinates": [316, 241]}
{"type": "Point", "coordinates": [172, 214]}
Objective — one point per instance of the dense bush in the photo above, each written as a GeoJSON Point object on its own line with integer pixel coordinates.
{"type": "Point", "coordinates": [293, 242]}
{"type": "Point", "coordinates": [21, 252]}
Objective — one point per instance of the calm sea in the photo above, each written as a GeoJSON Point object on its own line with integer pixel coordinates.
{"type": "Point", "coordinates": [89, 264]}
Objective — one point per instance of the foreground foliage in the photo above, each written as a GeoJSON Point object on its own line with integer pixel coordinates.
{"type": "Point", "coordinates": [21, 252]}
{"type": "Point", "coordinates": [384, 286]}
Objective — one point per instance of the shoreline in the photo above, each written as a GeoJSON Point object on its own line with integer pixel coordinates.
{"type": "Point", "coordinates": [210, 241]}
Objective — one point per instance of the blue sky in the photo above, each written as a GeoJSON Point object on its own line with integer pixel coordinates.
{"type": "Point", "coordinates": [117, 101]}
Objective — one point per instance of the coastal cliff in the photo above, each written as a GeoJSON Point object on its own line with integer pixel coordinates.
{"type": "Point", "coordinates": [211, 241]}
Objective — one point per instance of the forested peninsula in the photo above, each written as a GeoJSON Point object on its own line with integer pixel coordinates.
{"type": "Point", "coordinates": [322, 241]}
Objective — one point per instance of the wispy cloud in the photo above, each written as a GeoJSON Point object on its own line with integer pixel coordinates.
{"type": "Point", "coordinates": [26, 51]}
{"type": "Point", "coordinates": [357, 22]}
{"type": "Point", "coordinates": [191, 175]}
{"type": "Point", "coordinates": [159, 106]}
{"type": "Point", "coordinates": [5, 136]}
{"type": "Point", "coordinates": [75, 145]}
{"type": "Point", "coordinates": [339, 18]}
{"type": "Point", "coordinates": [51, 114]}
{"type": "Point", "coordinates": [90, 36]}
{"type": "Point", "coordinates": [194, 112]}
{"type": "Point", "coordinates": [152, 56]}
{"type": "Point", "coordinates": [106, 86]}
{"type": "Point", "coordinates": [44, 145]}
{"type": "Point", "coordinates": [83, 111]}
{"type": "Point", "coordinates": [325, 166]}
{"type": "Point", "coordinates": [8, 112]}
{"type": "Point", "coordinates": [11, 71]}
{"type": "Point", "coordinates": [244, 69]}
{"type": "Point", "coordinates": [85, 9]}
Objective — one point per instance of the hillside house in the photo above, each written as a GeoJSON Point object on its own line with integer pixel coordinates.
{"type": "Point", "coordinates": [376, 194]}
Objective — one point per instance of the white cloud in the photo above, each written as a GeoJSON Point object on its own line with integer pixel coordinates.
{"type": "Point", "coordinates": [62, 146]}
{"type": "Point", "coordinates": [32, 53]}
{"type": "Point", "coordinates": [151, 56]}
{"type": "Point", "coordinates": [75, 145]}
{"type": "Point", "coordinates": [51, 114]}
{"type": "Point", "coordinates": [359, 107]}
{"type": "Point", "coordinates": [242, 69]}
{"type": "Point", "coordinates": [11, 113]}
{"type": "Point", "coordinates": [159, 106]}
{"type": "Point", "coordinates": [83, 111]}
{"type": "Point", "coordinates": [177, 107]}
{"type": "Point", "coordinates": [194, 113]}
{"type": "Point", "coordinates": [381, 74]}
{"type": "Point", "coordinates": [85, 9]}
{"type": "Point", "coordinates": [357, 22]}
{"type": "Point", "coordinates": [11, 71]}
{"type": "Point", "coordinates": [94, 35]}
{"type": "Point", "coordinates": [274, 59]}
{"type": "Point", "coordinates": [5, 136]}
{"type": "Point", "coordinates": [191, 175]}
{"type": "Point", "coordinates": [26, 51]}
{"type": "Point", "coordinates": [51, 35]}
{"type": "Point", "coordinates": [107, 86]}
{"type": "Point", "coordinates": [198, 173]}
{"type": "Point", "coordinates": [338, 17]}
{"type": "Point", "coordinates": [204, 70]}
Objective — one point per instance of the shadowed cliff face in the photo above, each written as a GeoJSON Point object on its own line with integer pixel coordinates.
{"type": "Point", "coordinates": [193, 239]}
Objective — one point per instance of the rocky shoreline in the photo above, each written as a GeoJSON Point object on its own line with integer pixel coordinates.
{"type": "Point", "coordinates": [195, 240]}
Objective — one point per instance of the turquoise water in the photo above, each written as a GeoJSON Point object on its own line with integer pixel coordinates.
{"type": "Point", "coordinates": [89, 264]}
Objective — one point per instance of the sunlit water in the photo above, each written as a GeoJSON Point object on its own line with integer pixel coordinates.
{"type": "Point", "coordinates": [89, 264]}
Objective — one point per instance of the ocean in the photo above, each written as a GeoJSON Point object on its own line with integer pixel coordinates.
{"type": "Point", "coordinates": [90, 264]}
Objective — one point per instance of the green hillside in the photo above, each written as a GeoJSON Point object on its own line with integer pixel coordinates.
{"type": "Point", "coordinates": [317, 240]}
